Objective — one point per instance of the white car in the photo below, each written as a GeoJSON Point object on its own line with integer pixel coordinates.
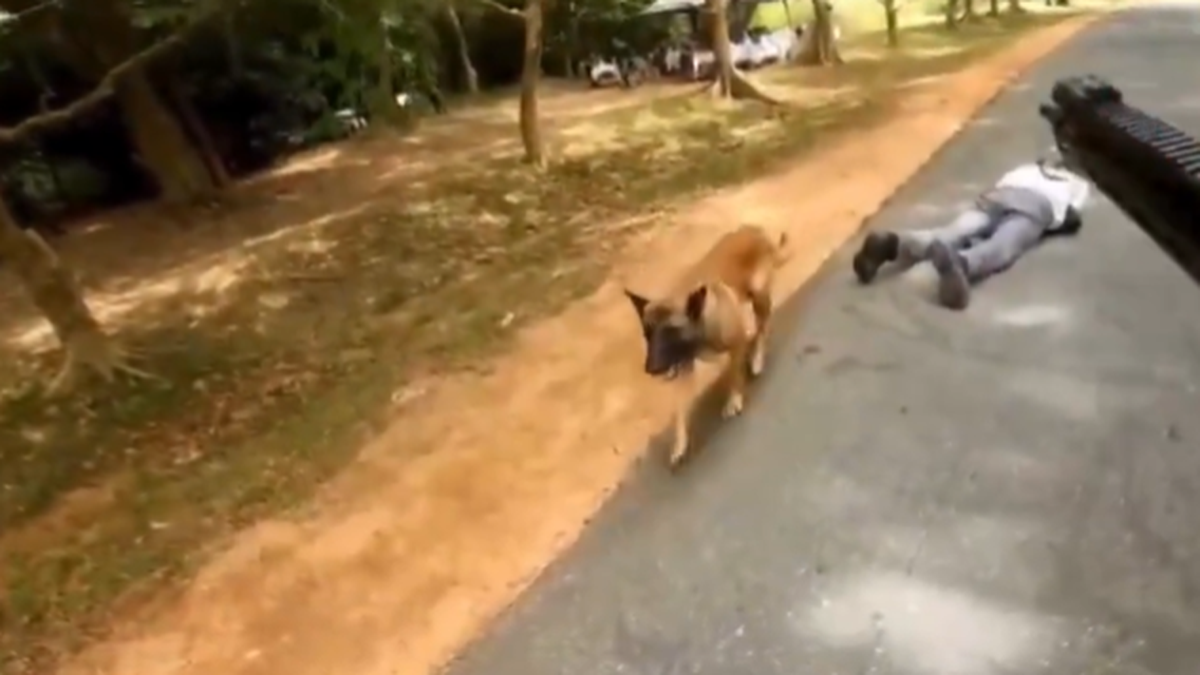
{"type": "Point", "coordinates": [603, 72]}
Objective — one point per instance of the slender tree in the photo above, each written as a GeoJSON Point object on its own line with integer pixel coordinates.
{"type": "Point", "coordinates": [462, 48]}
{"type": "Point", "coordinates": [729, 82]}
{"type": "Point", "coordinates": [533, 16]}
{"type": "Point", "coordinates": [94, 37]}
{"type": "Point", "coordinates": [43, 276]}
{"type": "Point", "coordinates": [891, 17]}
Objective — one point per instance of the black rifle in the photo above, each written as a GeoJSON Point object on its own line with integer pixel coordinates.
{"type": "Point", "coordinates": [1148, 168]}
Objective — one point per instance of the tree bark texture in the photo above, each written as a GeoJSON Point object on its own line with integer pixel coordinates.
{"type": "Point", "coordinates": [892, 21]}
{"type": "Point", "coordinates": [199, 134]}
{"type": "Point", "coordinates": [951, 19]}
{"type": "Point", "coordinates": [176, 163]}
{"type": "Point", "coordinates": [827, 52]}
{"type": "Point", "coordinates": [722, 48]}
{"type": "Point", "coordinates": [531, 73]}
{"type": "Point", "coordinates": [93, 37]}
{"type": "Point", "coordinates": [52, 290]}
{"type": "Point", "coordinates": [47, 282]}
{"type": "Point", "coordinates": [729, 82]}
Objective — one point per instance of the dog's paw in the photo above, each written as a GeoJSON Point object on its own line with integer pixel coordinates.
{"type": "Point", "coordinates": [733, 406]}
{"type": "Point", "coordinates": [678, 452]}
{"type": "Point", "coordinates": [758, 361]}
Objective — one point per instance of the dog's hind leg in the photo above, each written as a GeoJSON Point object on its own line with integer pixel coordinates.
{"type": "Point", "coordinates": [737, 380]}
{"type": "Point", "coordinates": [760, 301]}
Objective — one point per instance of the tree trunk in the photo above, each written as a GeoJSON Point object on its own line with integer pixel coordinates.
{"type": "Point", "coordinates": [729, 82]}
{"type": "Point", "coordinates": [821, 48]}
{"type": "Point", "coordinates": [993, 8]}
{"type": "Point", "coordinates": [951, 14]}
{"type": "Point", "coordinates": [571, 43]}
{"type": "Point", "coordinates": [464, 50]}
{"type": "Point", "coordinates": [381, 99]}
{"type": "Point", "coordinates": [197, 130]}
{"type": "Point", "coordinates": [531, 73]}
{"type": "Point", "coordinates": [1015, 7]}
{"type": "Point", "coordinates": [53, 291]}
{"type": "Point", "coordinates": [969, 10]}
{"type": "Point", "coordinates": [93, 37]}
{"type": "Point", "coordinates": [892, 19]}
{"type": "Point", "coordinates": [168, 153]}
{"type": "Point", "coordinates": [722, 48]}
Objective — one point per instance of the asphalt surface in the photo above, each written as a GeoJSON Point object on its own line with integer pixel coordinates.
{"type": "Point", "coordinates": [912, 491]}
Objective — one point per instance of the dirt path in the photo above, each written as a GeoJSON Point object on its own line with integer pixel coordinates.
{"type": "Point", "coordinates": [405, 558]}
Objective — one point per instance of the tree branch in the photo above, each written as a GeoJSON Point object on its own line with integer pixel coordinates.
{"type": "Point", "coordinates": [19, 9]}
{"type": "Point", "coordinates": [104, 89]}
{"type": "Point", "coordinates": [504, 9]}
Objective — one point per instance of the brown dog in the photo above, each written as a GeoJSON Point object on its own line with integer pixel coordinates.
{"type": "Point", "coordinates": [703, 316]}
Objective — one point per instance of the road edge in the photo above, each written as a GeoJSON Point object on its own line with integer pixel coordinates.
{"type": "Point", "coordinates": [833, 230]}
{"type": "Point", "coordinates": [473, 544]}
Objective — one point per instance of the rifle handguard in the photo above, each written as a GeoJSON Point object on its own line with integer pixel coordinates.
{"type": "Point", "coordinates": [1147, 167]}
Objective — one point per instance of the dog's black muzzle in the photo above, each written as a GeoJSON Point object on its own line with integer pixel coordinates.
{"type": "Point", "coordinates": [660, 367]}
{"type": "Point", "coordinates": [669, 360]}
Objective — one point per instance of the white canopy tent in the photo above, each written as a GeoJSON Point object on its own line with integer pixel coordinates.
{"type": "Point", "coordinates": [748, 51]}
{"type": "Point", "coordinates": [668, 6]}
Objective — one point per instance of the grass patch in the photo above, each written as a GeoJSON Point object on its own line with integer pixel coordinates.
{"type": "Point", "coordinates": [285, 359]}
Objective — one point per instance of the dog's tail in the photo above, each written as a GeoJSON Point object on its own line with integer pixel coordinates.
{"type": "Point", "coordinates": [773, 255]}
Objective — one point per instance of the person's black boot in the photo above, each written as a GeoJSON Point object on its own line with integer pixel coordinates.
{"type": "Point", "coordinates": [877, 249]}
{"type": "Point", "coordinates": [954, 290]}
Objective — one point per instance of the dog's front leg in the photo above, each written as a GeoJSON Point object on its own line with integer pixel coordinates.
{"type": "Point", "coordinates": [685, 391]}
{"type": "Point", "coordinates": [736, 372]}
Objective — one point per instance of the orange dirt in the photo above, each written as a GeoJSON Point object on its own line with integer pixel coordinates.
{"type": "Point", "coordinates": [405, 558]}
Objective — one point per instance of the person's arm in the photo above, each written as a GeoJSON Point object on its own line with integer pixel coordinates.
{"type": "Point", "coordinates": [1071, 222]}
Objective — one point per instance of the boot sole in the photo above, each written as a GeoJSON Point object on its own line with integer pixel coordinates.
{"type": "Point", "coordinates": [870, 258]}
{"type": "Point", "coordinates": [953, 290]}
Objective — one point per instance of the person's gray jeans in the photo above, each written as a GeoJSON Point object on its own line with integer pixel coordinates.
{"type": "Point", "coordinates": [1001, 226]}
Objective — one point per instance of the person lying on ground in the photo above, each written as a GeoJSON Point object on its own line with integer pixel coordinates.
{"type": "Point", "coordinates": [1028, 204]}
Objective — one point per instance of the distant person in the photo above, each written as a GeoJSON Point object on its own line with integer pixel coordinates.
{"type": "Point", "coordinates": [1029, 203]}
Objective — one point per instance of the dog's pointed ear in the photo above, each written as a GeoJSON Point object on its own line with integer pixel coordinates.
{"type": "Point", "coordinates": [639, 302]}
{"type": "Point", "coordinates": [695, 303]}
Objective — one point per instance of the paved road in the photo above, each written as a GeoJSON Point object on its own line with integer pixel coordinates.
{"type": "Point", "coordinates": [1011, 490]}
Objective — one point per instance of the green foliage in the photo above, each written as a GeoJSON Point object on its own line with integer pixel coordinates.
{"type": "Point", "coordinates": [578, 28]}
{"type": "Point", "coordinates": [268, 76]}
{"type": "Point", "coordinates": [272, 72]}
{"type": "Point", "coordinates": [161, 15]}
{"type": "Point", "coordinates": [772, 16]}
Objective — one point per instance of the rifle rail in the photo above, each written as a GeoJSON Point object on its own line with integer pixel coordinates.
{"type": "Point", "coordinates": [1146, 166]}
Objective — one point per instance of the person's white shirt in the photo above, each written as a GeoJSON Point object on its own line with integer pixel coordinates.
{"type": "Point", "coordinates": [1062, 188]}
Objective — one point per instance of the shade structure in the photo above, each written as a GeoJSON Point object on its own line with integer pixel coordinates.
{"type": "Point", "coordinates": [668, 6]}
